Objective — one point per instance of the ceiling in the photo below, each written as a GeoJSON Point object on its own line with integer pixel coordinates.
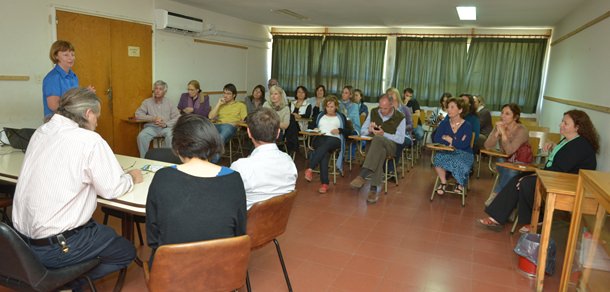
{"type": "Point", "coordinates": [393, 13]}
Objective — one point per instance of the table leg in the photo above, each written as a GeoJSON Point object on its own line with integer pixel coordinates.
{"type": "Point", "coordinates": [536, 207]}
{"type": "Point", "coordinates": [545, 237]}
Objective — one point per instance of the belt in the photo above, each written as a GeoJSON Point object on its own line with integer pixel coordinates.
{"type": "Point", "coordinates": [55, 238]}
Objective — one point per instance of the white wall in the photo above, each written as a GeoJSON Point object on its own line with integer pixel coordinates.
{"type": "Point", "coordinates": [178, 59]}
{"type": "Point", "coordinates": [578, 70]}
{"type": "Point", "coordinates": [27, 33]}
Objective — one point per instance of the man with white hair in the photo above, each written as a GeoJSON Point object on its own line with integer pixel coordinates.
{"type": "Point", "coordinates": [161, 115]}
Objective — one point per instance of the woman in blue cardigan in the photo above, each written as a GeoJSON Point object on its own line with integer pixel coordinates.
{"type": "Point", "coordinates": [456, 132]}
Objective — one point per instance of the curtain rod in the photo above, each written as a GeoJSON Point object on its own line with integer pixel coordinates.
{"type": "Point", "coordinates": [474, 35]}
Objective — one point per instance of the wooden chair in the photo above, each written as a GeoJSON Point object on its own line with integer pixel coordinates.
{"type": "Point", "coordinates": [22, 271]}
{"type": "Point", "coordinates": [211, 265]}
{"type": "Point", "coordinates": [266, 221]}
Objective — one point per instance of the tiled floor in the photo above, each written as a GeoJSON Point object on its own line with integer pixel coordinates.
{"type": "Point", "coordinates": [336, 242]}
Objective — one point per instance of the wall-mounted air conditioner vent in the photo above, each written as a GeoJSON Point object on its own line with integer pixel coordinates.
{"type": "Point", "coordinates": [177, 22]}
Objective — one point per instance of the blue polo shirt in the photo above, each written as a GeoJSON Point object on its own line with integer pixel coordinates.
{"type": "Point", "coordinates": [57, 82]}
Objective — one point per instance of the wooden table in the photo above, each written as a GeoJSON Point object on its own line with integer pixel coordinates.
{"type": "Point", "coordinates": [559, 189]}
{"type": "Point", "coordinates": [491, 153]}
{"type": "Point", "coordinates": [307, 139]}
{"type": "Point", "coordinates": [592, 185]}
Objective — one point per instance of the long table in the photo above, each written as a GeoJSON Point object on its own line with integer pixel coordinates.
{"type": "Point", "coordinates": [131, 204]}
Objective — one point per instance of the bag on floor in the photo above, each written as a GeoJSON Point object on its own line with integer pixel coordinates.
{"type": "Point", "coordinates": [527, 247]}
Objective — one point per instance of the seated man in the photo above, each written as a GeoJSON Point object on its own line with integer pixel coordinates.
{"type": "Point", "coordinates": [227, 112]}
{"type": "Point", "coordinates": [267, 172]}
{"type": "Point", "coordinates": [161, 114]}
{"type": "Point", "coordinates": [66, 167]}
{"type": "Point", "coordinates": [387, 126]}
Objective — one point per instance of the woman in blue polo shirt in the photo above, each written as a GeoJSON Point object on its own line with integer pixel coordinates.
{"type": "Point", "coordinates": [61, 78]}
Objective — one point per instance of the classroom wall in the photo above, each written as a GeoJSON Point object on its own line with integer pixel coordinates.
{"type": "Point", "coordinates": [578, 70]}
{"type": "Point", "coordinates": [27, 34]}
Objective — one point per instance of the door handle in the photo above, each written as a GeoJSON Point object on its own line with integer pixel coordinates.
{"type": "Point", "coordinates": [109, 95]}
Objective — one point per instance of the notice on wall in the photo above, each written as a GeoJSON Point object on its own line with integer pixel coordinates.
{"type": "Point", "coordinates": [133, 51]}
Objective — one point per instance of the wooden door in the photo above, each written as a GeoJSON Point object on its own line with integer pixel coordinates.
{"type": "Point", "coordinates": [122, 80]}
{"type": "Point", "coordinates": [90, 37]}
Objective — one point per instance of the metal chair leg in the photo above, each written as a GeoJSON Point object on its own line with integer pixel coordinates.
{"type": "Point", "coordinates": [139, 233]}
{"type": "Point", "coordinates": [279, 253]}
{"type": "Point", "coordinates": [248, 282]}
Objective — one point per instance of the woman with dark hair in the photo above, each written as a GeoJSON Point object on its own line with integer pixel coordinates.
{"type": "Point", "coordinates": [196, 200]}
{"type": "Point", "coordinates": [441, 112]}
{"type": "Point", "coordinates": [508, 135]}
{"type": "Point", "coordinates": [300, 107]}
{"type": "Point", "coordinates": [471, 114]}
{"type": "Point", "coordinates": [256, 99]}
{"type": "Point", "coordinates": [331, 125]}
{"type": "Point", "coordinates": [193, 102]}
{"type": "Point", "coordinates": [574, 152]}
{"type": "Point", "coordinates": [456, 132]}
{"type": "Point", "coordinates": [317, 103]}
{"type": "Point", "coordinates": [362, 108]}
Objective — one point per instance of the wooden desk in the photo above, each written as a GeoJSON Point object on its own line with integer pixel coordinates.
{"type": "Point", "coordinates": [493, 153]}
{"type": "Point", "coordinates": [357, 139]}
{"type": "Point", "coordinates": [592, 185]}
{"type": "Point", "coordinates": [559, 189]}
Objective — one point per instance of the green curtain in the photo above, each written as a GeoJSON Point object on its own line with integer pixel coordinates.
{"type": "Point", "coordinates": [355, 61]}
{"type": "Point", "coordinates": [295, 61]}
{"type": "Point", "coordinates": [506, 71]}
{"type": "Point", "coordinates": [431, 66]}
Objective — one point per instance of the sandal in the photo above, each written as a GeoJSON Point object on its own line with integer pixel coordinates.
{"type": "Point", "coordinates": [490, 224]}
{"type": "Point", "coordinates": [459, 190]}
{"type": "Point", "coordinates": [440, 190]}
{"type": "Point", "coordinates": [526, 228]}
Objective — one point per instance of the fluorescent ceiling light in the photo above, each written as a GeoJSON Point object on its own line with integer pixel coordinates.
{"type": "Point", "coordinates": [467, 12]}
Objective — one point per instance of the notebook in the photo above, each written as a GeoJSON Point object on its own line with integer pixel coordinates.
{"type": "Point", "coordinates": [19, 138]}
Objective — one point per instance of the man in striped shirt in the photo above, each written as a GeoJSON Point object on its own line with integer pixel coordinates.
{"type": "Point", "coordinates": [66, 166]}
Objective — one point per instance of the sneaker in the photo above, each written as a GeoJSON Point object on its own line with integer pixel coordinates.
{"type": "Point", "coordinates": [357, 183]}
{"type": "Point", "coordinates": [323, 189]}
{"type": "Point", "coordinates": [308, 174]}
{"type": "Point", "coordinates": [373, 197]}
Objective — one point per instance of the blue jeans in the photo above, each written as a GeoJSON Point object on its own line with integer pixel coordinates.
{"type": "Point", "coordinates": [226, 132]}
{"type": "Point", "coordinates": [94, 240]}
{"type": "Point", "coordinates": [419, 133]}
{"type": "Point", "coordinates": [504, 176]}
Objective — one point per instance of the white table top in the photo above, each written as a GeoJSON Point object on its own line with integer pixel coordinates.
{"type": "Point", "coordinates": [133, 202]}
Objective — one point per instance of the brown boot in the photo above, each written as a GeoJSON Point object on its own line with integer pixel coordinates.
{"type": "Point", "coordinates": [358, 182]}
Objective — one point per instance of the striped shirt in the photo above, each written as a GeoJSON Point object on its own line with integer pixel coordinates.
{"type": "Point", "coordinates": [64, 170]}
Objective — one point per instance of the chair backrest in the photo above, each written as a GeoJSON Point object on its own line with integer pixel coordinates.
{"type": "Point", "coordinates": [415, 119]}
{"type": "Point", "coordinates": [18, 262]}
{"type": "Point", "coordinates": [163, 154]}
{"type": "Point", "coordinates": [268, 219]}
{"type": "Point", "coordinates": [211, 265]}
{"type": "Point", "coordinates": [553, 137]}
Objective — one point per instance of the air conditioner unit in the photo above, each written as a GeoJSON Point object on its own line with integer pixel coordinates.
{"type": "Point", "coordinates": [177, 22]}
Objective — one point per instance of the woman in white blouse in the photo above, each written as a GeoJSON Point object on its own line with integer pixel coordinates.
{"type": "Point", "coordinates": [330, 124]}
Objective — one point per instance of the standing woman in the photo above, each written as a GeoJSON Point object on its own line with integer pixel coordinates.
{"type": "Point", "coordinates": [61, 78]}
{"type": "Point", "coordinates": [456, 132]}
{"type": "Point", "coordinates": [192, 102]}
{"type": "Point", "coordinates": [196, 200]}
{"type": "Point", "coordinates": [256, 100]}
{"type": "Point", "coordinates": [509, 134]}
{"type": "Point", "coordinates": [330, 123]}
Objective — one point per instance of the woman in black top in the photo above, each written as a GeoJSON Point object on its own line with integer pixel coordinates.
{"type": "Point", "coordinates": [196, 200]}
{"type": "Point", "coordinates": [574, 152]}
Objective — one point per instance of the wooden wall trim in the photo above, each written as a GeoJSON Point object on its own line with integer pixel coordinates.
{"type": "Point", "coordinates": [14, 78]}
{"type": "Point", "coordinates": [599, 108]}
{"type": "Point", "coordinates": [221, 92]}
{"type": "Point", "coordinates": [220, 44]}
{"type": "Point", "coordinates": [583, 27]}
